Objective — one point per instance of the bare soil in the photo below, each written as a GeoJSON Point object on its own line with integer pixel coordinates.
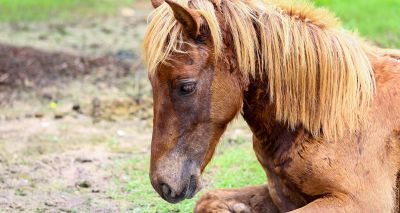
{"type": "Point", "coordinates": [29, 67]}
{"type": "Point", "coordinates": [67, 165]}
{"type": "Point", "coordinates": [74, 102]}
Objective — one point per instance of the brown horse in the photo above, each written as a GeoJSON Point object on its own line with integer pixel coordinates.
{"type": "Point", "coordinates": [323, 105]}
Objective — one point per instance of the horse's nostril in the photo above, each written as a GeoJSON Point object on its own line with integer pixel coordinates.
{"type": "Point", "coordinates": [167, 192]}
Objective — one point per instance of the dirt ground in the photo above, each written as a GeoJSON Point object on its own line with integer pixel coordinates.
{"type": "Point", "coordinates": [74, 101]}
{"type": "Point", "coordinates": [49, 165]}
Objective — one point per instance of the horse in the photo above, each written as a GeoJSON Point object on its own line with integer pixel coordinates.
{"type": "Point", "coordinates": [321, 102]}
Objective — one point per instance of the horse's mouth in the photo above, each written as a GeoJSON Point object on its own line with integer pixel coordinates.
{"type": "Point", "coordinates": [187, 193]}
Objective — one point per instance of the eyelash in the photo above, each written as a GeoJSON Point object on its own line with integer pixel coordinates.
{"type": "Point", "coordinates": [186, 88]}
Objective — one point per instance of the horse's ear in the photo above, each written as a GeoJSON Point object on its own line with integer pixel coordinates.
{"type": "Point", "coordinates": [189, 18]}
{"type": "Point", "coordinates": [157, 3]}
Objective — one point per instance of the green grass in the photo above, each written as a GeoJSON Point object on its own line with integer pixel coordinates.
{"type": "Point", "coordinates": [235, 166]}
{"type": "Point", "coordinates": [378, 20]}
{"type": "Point", "coordinates": [375, 19]}
{"type": "Point", "coordinates": [40, 10]}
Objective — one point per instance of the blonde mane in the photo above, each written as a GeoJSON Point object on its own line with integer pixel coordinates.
{"type": "Point", "coordinates": [319, 75]}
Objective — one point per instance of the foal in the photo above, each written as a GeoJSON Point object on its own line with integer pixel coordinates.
{"type": "Point", "coordinates": [322, 105]}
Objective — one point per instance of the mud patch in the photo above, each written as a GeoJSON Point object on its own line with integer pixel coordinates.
{"type": "Point", "coordinates": [29, 67]}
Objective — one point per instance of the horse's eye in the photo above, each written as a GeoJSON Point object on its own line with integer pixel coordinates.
{"type": "Point", "coordinates": [186, 88]}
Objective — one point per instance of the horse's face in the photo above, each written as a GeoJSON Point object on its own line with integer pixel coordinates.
{"type": "Point", "coordinates": [194, 100]}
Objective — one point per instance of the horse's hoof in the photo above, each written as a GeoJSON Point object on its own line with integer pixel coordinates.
{"type": "Point", "coordinates": [240, 208]}
{"type": "Point", "coordinates": [210, 203]}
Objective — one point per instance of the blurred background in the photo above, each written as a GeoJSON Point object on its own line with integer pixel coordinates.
{"type": "Point", "coordinates": [76, 106]}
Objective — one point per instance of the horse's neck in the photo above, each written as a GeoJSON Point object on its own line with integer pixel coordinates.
{"type": "Point", "coordinates": [259, 114]}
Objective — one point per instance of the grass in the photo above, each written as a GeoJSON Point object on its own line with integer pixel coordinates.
{"type": "Point", "coordinates": [235, 166]}
{"type": "Point", "coordinates": [43, 10]}
{"type": "Point", "coordinates": [375, 19]}
{"type": "Point", "coordinates": [378, 20]}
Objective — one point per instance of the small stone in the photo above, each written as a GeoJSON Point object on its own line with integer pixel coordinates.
{"type": "Point", "coordinates": [45, 124]}
{"type": "Point", "coordinates": [95, 190]}
{"type": "Point", "coordinates": [39, 115]}
{"type": "Point", "coordinates": [49, 204]}
{"type": "Point", "coordinates": [59, 116]}
{"type": "Point", "coordinates": [83, 184]}
{"type": "Point", "coordinates": [121, 133]}
{"type": "Point", "coordinates": [83, 160]}
{"type": "Point", "coordinates": [76, 108]}
{"type": "Point", "coordinates": [20, 192]}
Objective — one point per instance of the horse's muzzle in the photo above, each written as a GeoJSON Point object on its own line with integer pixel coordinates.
{"type": "Point", "coordinates": [176, 182]}
{"type": "Point", "coordinates": [188, 192]}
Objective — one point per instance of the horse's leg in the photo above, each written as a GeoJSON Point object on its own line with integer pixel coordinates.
{"type": "Point", "coordinates": [240, 200]}
{"type": "Point", "coordinates": [341, 203]}
{"type": "Point", "coordinates": [328, 204]}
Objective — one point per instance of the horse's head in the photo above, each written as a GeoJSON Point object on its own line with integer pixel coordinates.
{"type": "Point", "coordinates": [194, 100]}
